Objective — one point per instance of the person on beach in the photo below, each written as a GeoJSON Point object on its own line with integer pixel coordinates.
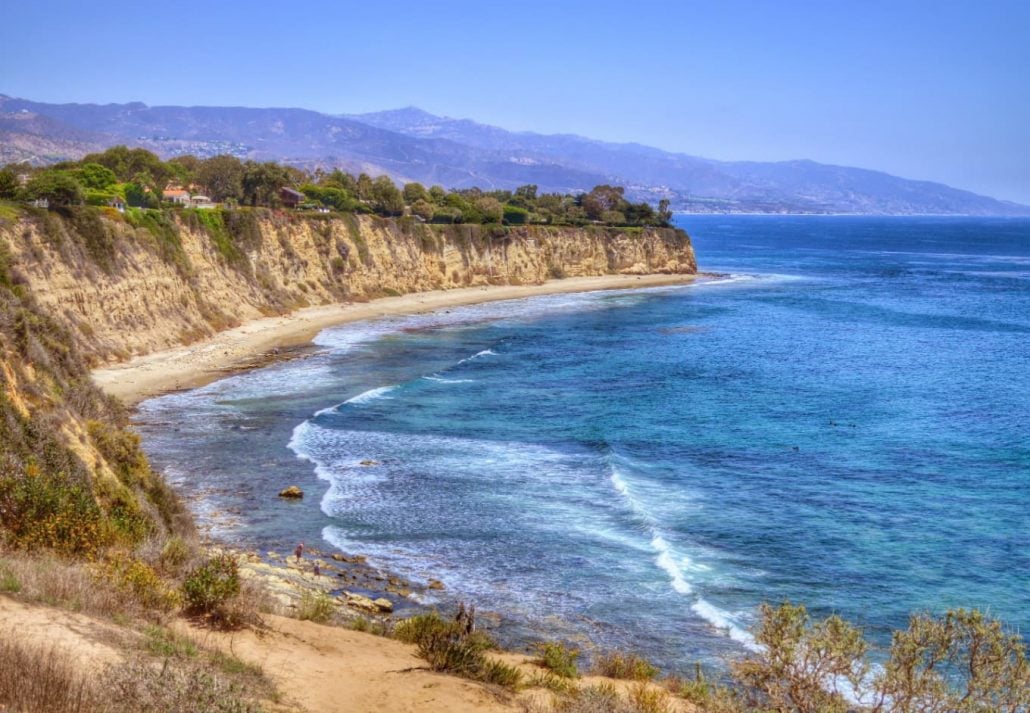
{"type": "Point", "coordinates": [299, 551]}
{"type": "Point", "coordinates": [318, 570]}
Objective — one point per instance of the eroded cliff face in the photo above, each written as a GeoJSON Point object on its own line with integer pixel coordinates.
{"type": "Point", "coordinates": [128, 285]}
{"type": "Point", "coordinates": [72, 479]}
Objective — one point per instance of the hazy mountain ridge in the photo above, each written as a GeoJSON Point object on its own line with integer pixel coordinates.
{"type": "Point", "coordinates": [411, 144]}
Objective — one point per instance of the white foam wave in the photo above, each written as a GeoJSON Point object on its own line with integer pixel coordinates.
{"type": "Point", "coordinates": [441, 380]}
{"type": "Point", "coordinates": [370, 395]}
{"type": "Point", "coordinates": [665, 561]}
{"type": "Point", "coordinates": [675, 567]}
{"type": "Point", "coordinates": [722, 620]}
{"type": "Point", "coordinates": [477, 355]}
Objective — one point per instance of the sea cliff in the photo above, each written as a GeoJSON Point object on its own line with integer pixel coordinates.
{"type": "Point", "coordinates": [132, 284]}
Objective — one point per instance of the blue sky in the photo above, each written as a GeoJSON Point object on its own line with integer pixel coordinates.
{"type": "Point", "coordinates": [929, 90]}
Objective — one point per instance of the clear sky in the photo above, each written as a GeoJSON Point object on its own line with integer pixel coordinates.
{"type": "Point", "coordinates": [930, 90]}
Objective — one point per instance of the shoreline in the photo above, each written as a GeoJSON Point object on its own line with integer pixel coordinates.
{"type": "Point", "coordinates": [256, 343]}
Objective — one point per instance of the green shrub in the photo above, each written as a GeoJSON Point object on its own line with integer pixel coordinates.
{"type": "Point", "coordinates": [498, 673]}
{"type": "Point", "coordinates": [648, 699]}
{"type": "Point", "coordinates": [513, 215]}
{"type": "Point", "coordinates": [139, 580]}
{"type": "Point", "coordinates": [420, 627]}
{"type": "Point", "coordinates": [9, 582]}
{"type": "Point", "coordinates": [630, 667]}
{"type": "Point", "coordinates": [316, 606]}
{"type": "Point", "coordinates": [210, 586]}
{"type": "Point", "coordinates": [43, 510]}
{"type": "Point", "coordinates": [448, 646]}
{"type": "Point", "coordinates": [559, 659]}
{"type": "Point", "coordinates": [166, 643]}
{"type": "Point", "coordinates": [174, 554]}
{"type": "Point", "coordinates": [163, 228]}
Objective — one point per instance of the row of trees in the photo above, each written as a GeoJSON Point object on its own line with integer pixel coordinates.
{"type": "Point", "coordinates": [140, 178]}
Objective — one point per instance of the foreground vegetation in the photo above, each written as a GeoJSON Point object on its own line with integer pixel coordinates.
{"type": "Point", "coordinates": [139, 179]}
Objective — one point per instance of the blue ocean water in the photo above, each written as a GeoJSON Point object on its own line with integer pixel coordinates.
{"type": "Point", "coordinates": [842, 419]}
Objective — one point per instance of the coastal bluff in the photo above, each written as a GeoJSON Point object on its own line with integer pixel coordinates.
{"type": "Point", "coordinates": [131, 284]}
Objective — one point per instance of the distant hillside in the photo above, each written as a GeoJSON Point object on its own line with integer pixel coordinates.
{"type": "Point", "coordinates": [412, 145]}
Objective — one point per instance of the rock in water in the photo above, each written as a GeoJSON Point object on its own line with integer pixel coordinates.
{"type": "Point", "coordinates": [383, 604]}
{"type": "Point", "coordinates": [293, 492]}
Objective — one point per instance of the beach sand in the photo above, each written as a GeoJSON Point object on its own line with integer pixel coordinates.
{"type": "Point", "coordinates": [252, 344]}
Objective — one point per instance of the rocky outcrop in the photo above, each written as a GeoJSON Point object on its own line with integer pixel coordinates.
{"type": "Point", "coordinates": [133, 284]}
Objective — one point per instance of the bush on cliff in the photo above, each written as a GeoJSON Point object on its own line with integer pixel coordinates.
{"type": "Point", "coordinates": [209, 587]}
{"type": "Point", "coordinates": [962, 662]}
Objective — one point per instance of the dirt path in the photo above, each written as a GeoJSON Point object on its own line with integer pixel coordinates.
{"type": "Point", "coordinates": [333, 670]}
{"type": "Point", "coordinates": [92, 644]}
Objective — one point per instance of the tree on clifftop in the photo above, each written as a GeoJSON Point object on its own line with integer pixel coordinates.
{"type": "Point", "coordinates": [221, 177]}
{"type": "Point", "coordinates": [604, 199]}
{"type": "Point", "coordinates": [57, 187]}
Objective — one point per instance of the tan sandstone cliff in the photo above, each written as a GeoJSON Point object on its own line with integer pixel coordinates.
{"type": "Point", "coordinates": [134, 284]}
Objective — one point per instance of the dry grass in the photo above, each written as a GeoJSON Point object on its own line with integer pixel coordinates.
{"type": "Point", "coordinates": [169, 673]}
{"type": "Point", "coordinates": [74, 586]}
{"type": "Point", "coordinates": [604, 698]}
{"type": "Point", "coordinates": [35, 679]}
{"type": "Point", "coordinates": [165, 687]}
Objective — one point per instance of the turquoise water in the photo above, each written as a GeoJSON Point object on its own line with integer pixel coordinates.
{"type": "Point", "coordinates": [842, 420]}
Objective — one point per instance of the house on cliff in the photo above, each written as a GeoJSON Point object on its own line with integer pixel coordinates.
{"type": "Point", "coordinates": [290, 198]}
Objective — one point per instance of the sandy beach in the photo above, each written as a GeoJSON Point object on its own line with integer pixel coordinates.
{"type": "Point", "coordinates": [251, 344]}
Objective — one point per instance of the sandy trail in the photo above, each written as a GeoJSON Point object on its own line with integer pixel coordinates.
{"type": "Point", "coordinates": [92, 644]}
{"type": "Point", "coordinates": [334, 670]}
{"type": "Point", "coordinates": [246, 345]}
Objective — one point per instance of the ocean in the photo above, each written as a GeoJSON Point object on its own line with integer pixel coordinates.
{"type": "Point", "coordinates": [841, 418]}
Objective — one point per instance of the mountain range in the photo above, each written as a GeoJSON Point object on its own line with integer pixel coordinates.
{"type": "Point", "coordinates": [412, 145]}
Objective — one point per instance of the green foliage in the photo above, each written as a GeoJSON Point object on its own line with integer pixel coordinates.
{"type": "Point", "coordinates": [96, 177]}
{"type": "Point", "coordinates": [262, 181]}
{"type": "Point", "coordinates": [420, 627]}
{"type": "Point", "coordinates": [423, 209]}
{"type": "Point", "coordinates": [330, 196]}
{"type": "Point", "coordinates": [138, 196]}
{"type": "Point", "coordinates": [449, 646]}
{"type": "Point", "coordinates": [386, 198]}
{"type": "Point", "coordinates": [559, 659]}
{"type": "Point", "coordinates": [962, 662]}
{"type": "Point", "coordinates": [628, 666]}
{"type": "Point", "coordinates": [9, 186]}
{"type": "Point", "coordinates": [211, 585]}
{"type": "Point", "coordinates": [317, 607]}
{"type": "Point", "coordinates": [800, 657]}
{"type": "Point", "coordinates": [9, 583]}
{"type": "Point", "coordinates": [221, 177]}
{"type": "Point", "coordinates": [489, 209]}
{"type": "Point", "coordinates": [59, 188]}
{"type": "Point", "coordinates": [514, 215]}
{"type": "Point", "coordinates": [137, 165]}
{"type": "Point", "coordinates": [163, 642]}
{"type": "Point", "coordinates": [165, 231]}
{"type": "Point", "coordinates": [140, 581]}
{"type": "Point", "coordinates": [95, 233]}
{"type": "Point", "coordinates": [414, 192]}
{"type": "Point", "coordinates": [43, 510]}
